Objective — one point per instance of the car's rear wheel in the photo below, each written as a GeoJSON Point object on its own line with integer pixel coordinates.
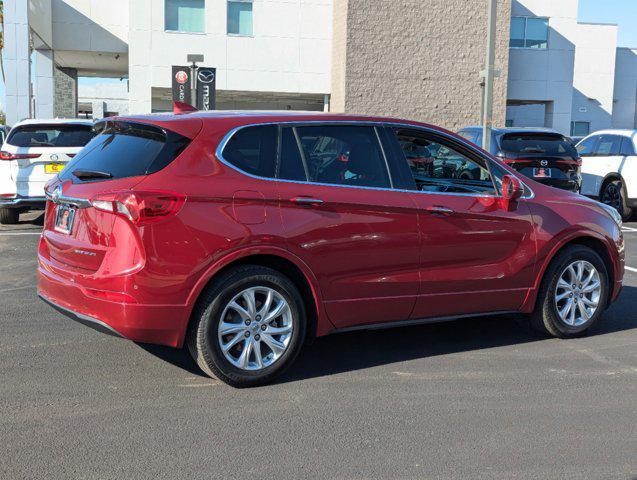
{"type": "Point", "coordinates": [573, 293]}
{"type": "Point", "coordinates": [9, 216]}
{"type": "Point", "coordinates": [613, 194]}
{"type": "Point", "coordinates": [248, 326]}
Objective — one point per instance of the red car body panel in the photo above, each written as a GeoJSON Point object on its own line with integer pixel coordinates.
{"type": "Point", "coordinates": [368, 256]}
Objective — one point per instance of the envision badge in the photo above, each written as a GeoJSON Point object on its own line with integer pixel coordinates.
{"type": "Point", "coordinates": [84, 252]}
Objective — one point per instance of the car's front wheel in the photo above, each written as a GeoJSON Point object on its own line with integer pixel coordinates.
{"type": "Point", "coordinates": [573, 293]}
{"type": "Point", "coordinates": [9, 216]}
{"type": "Point", "coordinates": [248, 326]}
{"type": "Point", "coordinates": [613, 194]}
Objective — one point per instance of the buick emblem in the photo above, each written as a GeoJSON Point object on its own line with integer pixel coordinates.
{"type": "Point", "coordinates": [206, 76]}
{"type": "Point", "coordinates": [54, 157]}
{"type": "Point", "coordinates": [544, 163]}
{"type": "Point", "coordinates": [57, 193]}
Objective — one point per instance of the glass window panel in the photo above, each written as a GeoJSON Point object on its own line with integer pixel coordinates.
{"type": "Point", "coordinates": [185, 16]}
{"type": "Point", "coordinates": [518, 25]}
{"type": "Point", "coordinates": [240, 18]}
{"type": "Point", "coordinates": [580, 129]}
{"type": "Point", "coordinates": [253, 150]}
{"type": "Point", "coordinates": [537, 32]}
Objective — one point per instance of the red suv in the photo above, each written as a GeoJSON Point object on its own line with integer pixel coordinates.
{"type": "Point", "coordinates": [243, 235]}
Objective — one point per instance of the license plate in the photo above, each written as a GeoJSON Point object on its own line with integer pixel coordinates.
{"type": "Point", "coordinates": [64, 219]}
{"type": "Point", "coordinates": [542, 172]}
{"type": "Point", "coordinates": [53, 167]}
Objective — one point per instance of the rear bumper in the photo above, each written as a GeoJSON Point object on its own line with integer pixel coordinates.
{"type": "Point", "coordinates": [157, 324]}
{"type": "Point", "coordinates": [21, 202]}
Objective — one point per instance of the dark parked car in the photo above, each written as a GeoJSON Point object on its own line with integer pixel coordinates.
{"type": "Point", "coordinates": [544, 155]}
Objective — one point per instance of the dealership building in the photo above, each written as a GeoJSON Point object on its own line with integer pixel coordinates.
{"type": "Point", "coordinates": [360, 56]}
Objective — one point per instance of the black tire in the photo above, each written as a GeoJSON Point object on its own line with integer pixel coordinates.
{"type": "Point", "coordinates": [545, 318]}
{"type": "Point", "coordinates": [9, 216]}
{"type": "Point", "coordinates": [202, 339]}
{"type": "Point", "coordinates": [613, 193]}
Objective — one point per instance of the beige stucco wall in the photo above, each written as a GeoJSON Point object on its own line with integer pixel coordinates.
{"type": "Point", "coordinates": [417, 59]}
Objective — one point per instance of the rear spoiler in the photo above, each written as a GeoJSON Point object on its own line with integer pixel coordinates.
{"type": "Point", "coordinates": [181, 107]}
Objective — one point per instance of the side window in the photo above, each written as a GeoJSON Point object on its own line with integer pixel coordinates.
{"type": "Point", "coordinates": [586, 148]}
{"type": "Point", "coordinates": [438, 165]}
{"type": "Point", "coordinates": [628, 149]}
{"type": "Point", "coordinates": [253, 150]}
{"type": "Point", "coordinates": [343, 155]}
{"type": "Point", "coordinates": [290, 160]}
{"type": "Point", "coordinates": [609, 145]}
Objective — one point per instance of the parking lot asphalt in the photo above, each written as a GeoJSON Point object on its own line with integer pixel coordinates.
{"type": "Point", "coordinates": [475, 398]}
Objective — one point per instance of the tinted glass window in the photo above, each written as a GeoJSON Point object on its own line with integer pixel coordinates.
{"type": "Point", "coordinates": [518, 27]}
{"type": "Point", "coordinates": [344, 155]}
{"type": "Point", "coordinates": [240, 17]}
{"type": "Point", "coordinates": [628, 148]}
{"type": "Point", "coordinates": [537, 32]}
{"type": "Point", "coordinates": [609, 145]}
{"type": "Point", "coordinates": [290, 163]}
{"type": "Point", "coordinates": [587, 147]}
{"type": "Point", "coordinates": [439, 166]}
{"type": "Point", "coordinates": [51, 136]}
{"type": "Point", "coordinates": [185, 15]}
{"type": "Point", "coordinates": [542, 143]}
{"type": "Point", "coordinates": [123, 149]}
{"type": "Point", "coordinates": [253, 150]}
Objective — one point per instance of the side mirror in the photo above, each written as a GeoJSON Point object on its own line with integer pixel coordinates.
{"type": "Point", "coordinates": [512, 190]}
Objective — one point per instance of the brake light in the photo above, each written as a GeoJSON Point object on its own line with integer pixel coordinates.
{"type": "Point", "coordinates": [71, 155]}
{"type": "Point", "coordinates": [514, 161]}
{"type": "Point", "coordinates": [8, 156]}
{"type": "Point", "coordinates": [141, 207]}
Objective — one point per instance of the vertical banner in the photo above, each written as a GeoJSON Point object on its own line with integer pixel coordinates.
{"type": "Point", "coordinates": [206, 88]}
{"type": "Point", "coordinates": [181, 85]}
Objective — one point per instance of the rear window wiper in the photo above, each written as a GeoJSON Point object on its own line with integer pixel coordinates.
{"type": "Point", "coordinates": [88, 174]}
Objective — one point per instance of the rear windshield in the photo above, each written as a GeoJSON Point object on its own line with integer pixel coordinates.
{"type": "Point", "coordinates": [543, 143]}
{"type": "Point", "coordinates": [50, 136]}
{"type": "Point", "coordinates": [124, 149]}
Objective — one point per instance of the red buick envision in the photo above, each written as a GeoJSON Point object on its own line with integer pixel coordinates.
{"type": "Point", "coordinates": [244, 234]}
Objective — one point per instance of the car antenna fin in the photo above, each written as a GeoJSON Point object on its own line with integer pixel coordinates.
{"type": "Point", "coordinates": [181, 107]}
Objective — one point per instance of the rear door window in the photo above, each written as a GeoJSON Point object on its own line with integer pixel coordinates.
{"type": "Point", "coordinates": [29, 136]}
{"type": "Point", "coordinates": [253, 150]}
{"type": "Point", "coordinates": [343, 155]}
{"type": "Point", "coordinates": [537, 143]}
{"type": "Point", "coordinates": [628, 149]}
{"type": "Point", "coordinates": [609, 145]}
{"type": "Point", "coordinates": [291, 166]}
{"type": "Point", "coordinates": [124, 149]}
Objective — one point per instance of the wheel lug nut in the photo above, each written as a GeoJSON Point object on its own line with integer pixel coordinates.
{"type": "Point", "coordinates": [570, 295]}
{"type": "Point", "coordinates": [247, 322]}
{"type": "Point", "coordinates": [257, 337]}
{"type": "Point", "coordinates": [258, 318]}
{"type": "Point", "coordinates": [247, 334]}
{"type": "Point", "coordinates": [263, 327]}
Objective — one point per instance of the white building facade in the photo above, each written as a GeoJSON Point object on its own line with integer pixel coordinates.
{"type": "Point", "coordinates": [278, 54]}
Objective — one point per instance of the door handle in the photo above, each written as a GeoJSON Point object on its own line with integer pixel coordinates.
{"type": "Point", "coordinates": [438, 210]}
{"type": "Point", "coordinates": [307, 201]}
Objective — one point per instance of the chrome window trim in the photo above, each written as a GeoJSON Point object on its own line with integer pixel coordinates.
{"type": "Point", "coordinates": [299, 123]}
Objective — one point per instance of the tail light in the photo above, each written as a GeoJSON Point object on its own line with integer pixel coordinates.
{"type": "Point", "coordinates": [8, 156]}
{"type": "Point", "coordinates": [71, 155]}
{"type": "Point", "coordinates": [578, 160]}
{"type": "Point", "coordinates": [515, 161]}
{"type": "Point", "coordinates": [141, 207]}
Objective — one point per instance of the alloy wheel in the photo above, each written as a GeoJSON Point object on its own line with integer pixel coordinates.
{"type": "Point", "coordinates": [612, 195]}
{"type": "Point", "coordinates": [255, 328]}
{"type": "Point", "coordinates": [578, 293]}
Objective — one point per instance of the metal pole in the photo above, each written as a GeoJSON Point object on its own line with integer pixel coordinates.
{"type": "Point", "coordinates": [193, 84]}
{"type": "Point", "coordinates": [487, 121]}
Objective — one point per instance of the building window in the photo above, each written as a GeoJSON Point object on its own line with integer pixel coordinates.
{"type": "Point", "coordinates": [580, 129]}
{"type": "Point", "coordinates": [240, 17]}
{"type": "Point", "coordinates": [529, 32]}
{"type": "Point", "coordinates": [186, 16]}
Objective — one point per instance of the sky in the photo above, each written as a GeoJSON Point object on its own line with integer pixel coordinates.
{"type": "Point", "coordinates": [621, 12]}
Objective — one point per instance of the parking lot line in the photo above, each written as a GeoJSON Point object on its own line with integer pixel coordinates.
{"type": "Point", "coordinates": [630, 269]}
{"type": "Point", "coordinates": [19, 233]}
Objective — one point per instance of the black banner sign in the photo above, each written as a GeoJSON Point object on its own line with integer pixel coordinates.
{"type": "Point", "coordinates": [181, 85]}
{"type": "Point", "coordinates": [206, 87]}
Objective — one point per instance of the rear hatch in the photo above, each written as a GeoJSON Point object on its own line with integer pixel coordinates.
{"type": "Point", "coordinates": [543, 156]}
{"type": "Point", "coordinates": [37, 152]}
{"type": "Point", "coordinates": [93, 206]}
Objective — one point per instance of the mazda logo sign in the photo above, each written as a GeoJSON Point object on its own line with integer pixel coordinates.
{"type": "Point", "coordinates": [544, 163]}
{"type": "Point", "coordinates": [206, 76]}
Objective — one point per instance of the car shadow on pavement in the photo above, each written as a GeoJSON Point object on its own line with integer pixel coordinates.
{"type": "Point", "coordinates": [351, 351]}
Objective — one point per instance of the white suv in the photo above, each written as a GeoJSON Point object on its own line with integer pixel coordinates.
{"type": "Point", "coordinates": [609, 168]}
{"type": "Point", "coordinates": [34, 152]}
